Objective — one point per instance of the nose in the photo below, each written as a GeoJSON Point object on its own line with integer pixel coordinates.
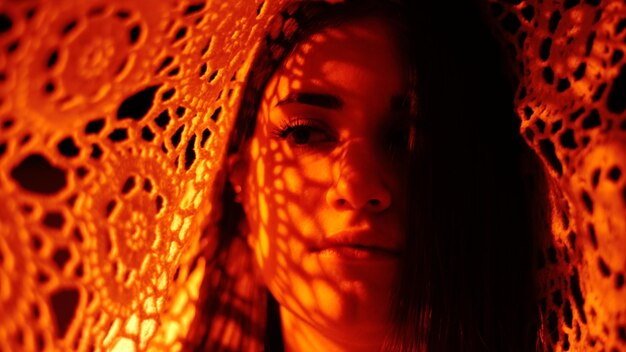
{"type": "Point", "coordinates": [359, 182]}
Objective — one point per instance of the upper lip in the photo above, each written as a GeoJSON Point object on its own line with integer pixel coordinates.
{"type": "Point", "coordinates": [363, 238]}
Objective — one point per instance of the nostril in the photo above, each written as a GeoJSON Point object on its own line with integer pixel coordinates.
{"type": "Point", "coordinates": [374, 202]}
{"type": "Point", "coordinates": [341, 202]}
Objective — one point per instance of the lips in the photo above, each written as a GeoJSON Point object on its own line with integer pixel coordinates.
{"type": "Point", "coordinates": [358, 244]}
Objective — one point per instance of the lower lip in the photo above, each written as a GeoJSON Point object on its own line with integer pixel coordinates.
{"type": "Point", "coordinates": [358, 253]}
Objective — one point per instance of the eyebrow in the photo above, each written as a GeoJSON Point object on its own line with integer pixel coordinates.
{"type": "Point", "coordinates": [399, 102]}
{"type": "Point", "coordinates": [326, 101]}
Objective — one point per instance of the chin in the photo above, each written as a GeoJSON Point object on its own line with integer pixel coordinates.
{"type": "Point", "coordinates": [345, 297]}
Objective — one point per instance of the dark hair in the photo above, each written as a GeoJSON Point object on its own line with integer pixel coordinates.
{"type": "Point", "coordinates": [468, 285]}
{"type": "Point", "coordinates": [466, 280]}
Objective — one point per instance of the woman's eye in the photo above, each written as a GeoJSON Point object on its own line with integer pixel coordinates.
{"type": "Point", "coordinates": [305, 135]}
{"type": "Point", "coordinates": [302, 134]}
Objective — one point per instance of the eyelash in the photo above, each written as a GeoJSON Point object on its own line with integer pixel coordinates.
{"type": "Point", "coordinates": [395, 140]}
{"type": "Point", "coordinates": [288, 127]}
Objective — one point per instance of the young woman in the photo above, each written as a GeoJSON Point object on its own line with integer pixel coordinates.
{"type": "Point", "coordinates": [364, 200]}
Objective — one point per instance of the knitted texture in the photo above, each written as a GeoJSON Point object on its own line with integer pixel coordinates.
{"type": "Point", "coordinates": [114, 118]}
{"type": "Point", "coordinates": [113, 122]}
{"type": "Point", "coordinates": [572, 107]}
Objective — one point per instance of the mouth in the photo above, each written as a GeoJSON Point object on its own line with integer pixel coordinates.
{"type": "Point", "coordinates": [358, 245]}
{"type": "Point", "coordinates": [358, 252]}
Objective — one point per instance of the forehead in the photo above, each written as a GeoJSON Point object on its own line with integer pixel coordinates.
{"type": "Point", "coordinates": [358, 59]}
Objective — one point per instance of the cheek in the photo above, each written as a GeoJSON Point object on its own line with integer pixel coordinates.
{"type": "Point", "coordinates": [306, 181]}
{"type": "Point", "coordinates": [256, 206]}
{"type": "Point", "coordinates": [284, 196]}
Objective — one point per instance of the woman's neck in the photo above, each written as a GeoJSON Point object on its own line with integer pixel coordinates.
{"type": "Point", "coordinates": [299, 335]}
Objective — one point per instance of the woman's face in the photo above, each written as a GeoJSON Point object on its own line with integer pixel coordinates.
{"type": "Point", "coordinates": [323, 181]}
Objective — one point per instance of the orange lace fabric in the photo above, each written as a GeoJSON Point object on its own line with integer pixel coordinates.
{"type": "Point", "coordinates": [113, 122]}
{"type": "Point", "coordinates": [572, 107]}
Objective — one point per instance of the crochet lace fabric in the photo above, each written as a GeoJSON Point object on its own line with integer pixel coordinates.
{"type": "Point", "coordinates": [113, 121]}
{"type": "Point", "coordinates": [113, 118]}
{"type": "Point", "coordinates": [572, 108]}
